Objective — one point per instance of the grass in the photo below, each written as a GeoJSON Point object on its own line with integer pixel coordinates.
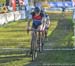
{"type": "Point", "coordinates": [60, 35]}
{"type": "Point", "coordinates": [61, 57]}
{"type": "Point", "coordinates": [15, 61]}
{"type": "Point", "coordinates": [13, 35]}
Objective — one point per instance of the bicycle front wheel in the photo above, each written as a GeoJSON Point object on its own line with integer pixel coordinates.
{"type": "Point", "coordinates": [34, 47]}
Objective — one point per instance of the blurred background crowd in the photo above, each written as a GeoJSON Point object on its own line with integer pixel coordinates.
{"type": "Point", "coordinates": [14, 5]}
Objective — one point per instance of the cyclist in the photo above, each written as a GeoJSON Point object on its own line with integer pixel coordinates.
{"type": "Point", "coordinates": [37, 21]}
{"type": "Point", "coordinates": [46, 19]}
{"type": "Point", "coordinates": [47, 24]}
{"type": "Point", "coordinates": [37, 18]}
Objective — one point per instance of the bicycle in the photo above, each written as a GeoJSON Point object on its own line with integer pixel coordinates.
{"type": "Point", "coordinates": [36, 43]}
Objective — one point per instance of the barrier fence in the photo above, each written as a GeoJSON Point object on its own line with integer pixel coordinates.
{"type": "Point", "coordinates": [12, 16]}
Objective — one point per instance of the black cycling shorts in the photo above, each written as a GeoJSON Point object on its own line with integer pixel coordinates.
{"type": "Point", "coordinates": [35, 26]}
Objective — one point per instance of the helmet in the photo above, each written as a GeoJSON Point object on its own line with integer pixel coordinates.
{"type": "Point", "coordinates": [36, 10]}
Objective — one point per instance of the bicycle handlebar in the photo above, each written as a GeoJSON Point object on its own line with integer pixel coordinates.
{"type": "Point", "coordinates": [36, 30]}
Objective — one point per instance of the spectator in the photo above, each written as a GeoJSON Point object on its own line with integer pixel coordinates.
{"type": "Point", "coordinates": [4, 9]}
{"type": "Point", "coordinates": [63, 10]}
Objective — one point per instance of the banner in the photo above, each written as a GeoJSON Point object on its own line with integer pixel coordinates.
{"type": "Point", "coordinates": [52, 4]}
{"type": "Point", "coordinates": [60, 4]}
{"type": "Point", "coordinates": [11, 15]}
{"type": "Point", "coordinates": [13, 4]}
{"type": "Point", "coordinates": [17, 15]}
{"type": "Point", "coordinates": [2, 19]}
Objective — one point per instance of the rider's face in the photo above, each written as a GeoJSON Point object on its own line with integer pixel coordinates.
{"type": "Point", "coordinates": [37, 13]}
